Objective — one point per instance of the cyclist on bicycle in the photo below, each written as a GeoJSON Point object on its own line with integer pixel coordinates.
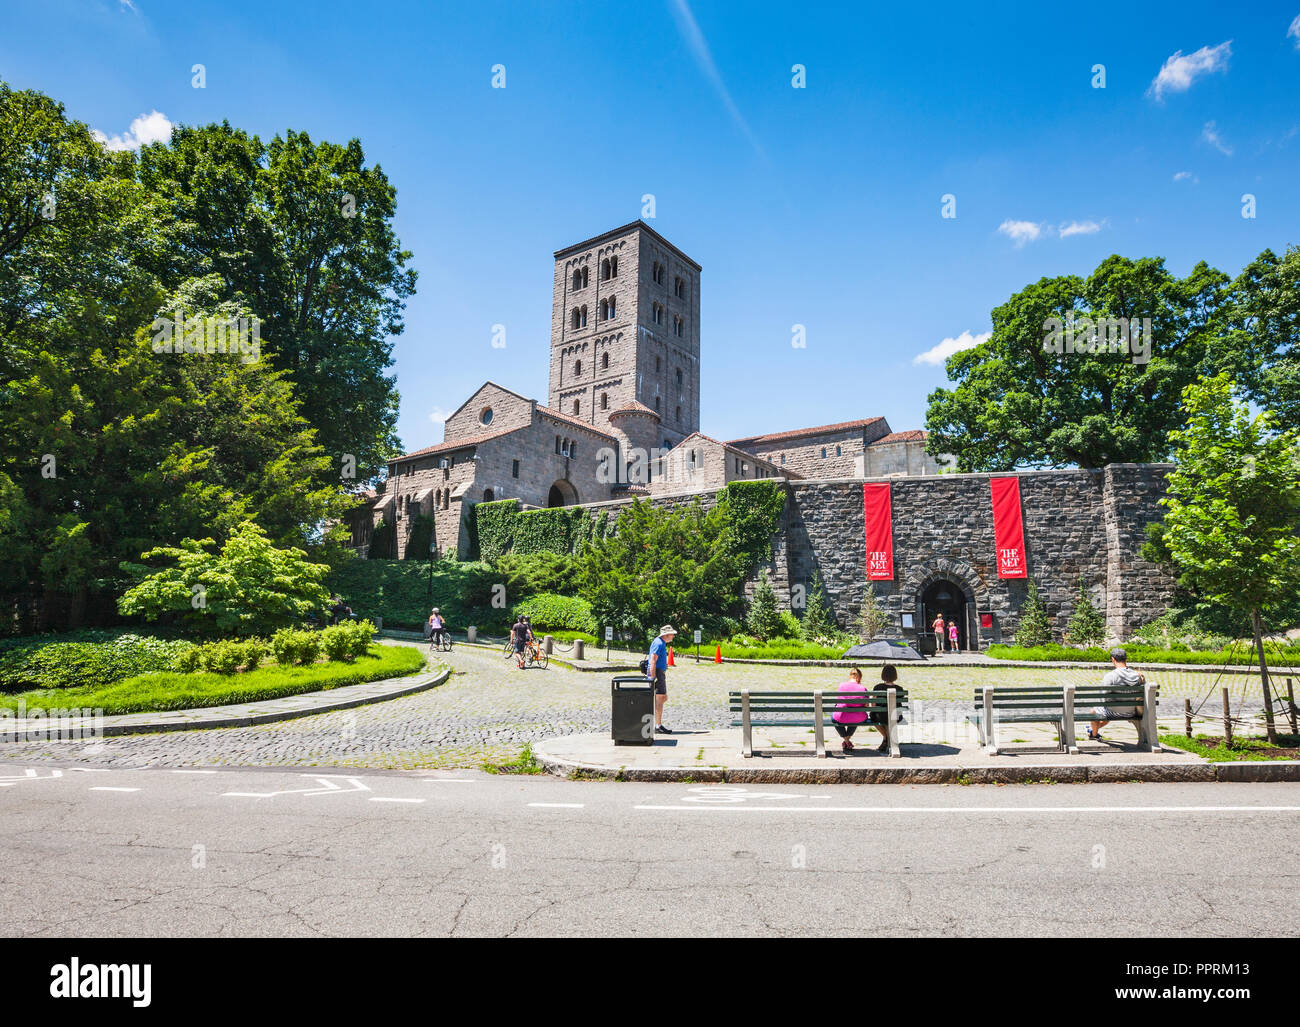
{"type": "Point", "coordinates": [437, 627]}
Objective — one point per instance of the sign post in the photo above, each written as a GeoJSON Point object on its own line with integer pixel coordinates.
{"type": "Point", "coordinates": [609, 636]}
{"type": "Point", "coordinates": [697, 645]}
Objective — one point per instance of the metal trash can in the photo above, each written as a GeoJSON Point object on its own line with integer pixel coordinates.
{"type": "Point", "coordinates": [632, 710]}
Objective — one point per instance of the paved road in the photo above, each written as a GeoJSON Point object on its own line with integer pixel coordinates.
{"type": "Point", "coordinates": [112, 852]}
{"type": "Point", "coordinates": [487, 711]}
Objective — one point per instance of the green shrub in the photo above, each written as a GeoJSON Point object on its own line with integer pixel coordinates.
{"type": "Point", "coordinates": [361, 634]}
{"type": "Point", "coordinates": [285, 646]}
{"type": "Point", "coordinates": [309, 647]}
{"type": "Point", "coordinates": [1035, 627]}
{"type": "Point", "coordinates": [189, 661]}
{"type": "Point", "coordinates": [255, 650]}
{"type": "Point", "coordinates": [1086, 625]}
{"type": "Point", "coordinates": [222, 657]}
{"type": "Point", "coordinates": [763, 618]}
{"type": "Point", "coordinates": [529, 574]}
{"type": "Point", "coordinates": [789, 625]}
{"type": "Point", "coordinates": [84, 658]}
{"type": "Point", "coordinates": [566, 613]}
{"type": "Point", "coordinates": [337, 642]}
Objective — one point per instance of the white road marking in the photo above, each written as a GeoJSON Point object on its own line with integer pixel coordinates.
{"type": "Point", "coordinates": [326, 786]}
{"type": "Point", "coordinates": [105, 788]}
{"type": "Point", "coordinates": [558, 805]}
{"type": "Point", "coordinates": [378, 798]}
{"type": "Point", "coordinates": [90, 770]}
{"type": "Point", "coordinates": [981, 809]}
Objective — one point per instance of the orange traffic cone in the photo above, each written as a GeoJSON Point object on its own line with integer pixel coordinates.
{"type": "Point", "coordinates": [670, 657]}
{"type": "Point", "coordinates": [717, 657]}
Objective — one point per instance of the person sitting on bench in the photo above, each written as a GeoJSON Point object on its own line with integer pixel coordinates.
{"type": "Point", "coordinates": [1119, 675]}
{"type": "Point", "coordinates": [848, 716]}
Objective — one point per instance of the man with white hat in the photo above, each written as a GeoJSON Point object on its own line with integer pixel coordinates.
{"type": "Point", "coordinates": [657, 672]}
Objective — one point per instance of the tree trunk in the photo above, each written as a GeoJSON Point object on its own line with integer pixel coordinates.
{"type": "Point", "coordinates": [1258, 624]}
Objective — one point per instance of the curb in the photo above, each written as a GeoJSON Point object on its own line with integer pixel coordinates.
{"type": "Point", "coordinates": [1251, 771]}
{"type": "Point", "coordinates": [415, 683]}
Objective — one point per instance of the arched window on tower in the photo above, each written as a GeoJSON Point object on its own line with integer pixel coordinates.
{"type": "Point", "coordinates": [577, 368]}
{"type": "Point", "coordinates": [577, 279]}
{"type": "Point", "coordinates": [604, 270]}
{"type": "Point", "coordinates": [604, 361]}
{"type": "Point", "coordinates": [585, 276]}
{"type": "Point", "coordinates": [604, 401]}
{"type": "Point", "coordinates": [576, 322]}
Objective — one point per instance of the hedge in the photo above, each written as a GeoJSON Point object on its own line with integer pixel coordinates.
{"type": "Point", "coordinates": [566, 613]}
{"type": "Point", "coordinates": [501, 527]}
{"type": "Point", "coordinates": [84, 658]}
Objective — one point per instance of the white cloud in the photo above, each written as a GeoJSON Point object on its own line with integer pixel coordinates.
{"type": "Point", "coordinates": [938, 354]}
{"type": "Point", "coordinates": [1179, 72]}
{"type": "Point", "coordinates": [1020, 232]}
{"type": "Point", "coordinates": [126, 5]}
{"type": "Point", "coordinates": [147, 128]}
{"type": "Point", "coordinates": [1211, 135]}
{"type": "Point", "coordinates": [1294, 31]}
{"type": "Point", "coordinates": [437, 415]}
{"type": "Point", "coordinates": [1184, 176]}
{"type": "Point", "coordinates": [1079, 228]}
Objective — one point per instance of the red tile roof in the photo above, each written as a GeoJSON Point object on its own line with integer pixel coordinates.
{"type": "Point", "coordinates": [902, 436]}
{"type": "Point", "coordinates": [569, 418]}
{"type": "Point", "coordinates": [447, 447]}
{"type": "Point", "coordinates": [635, 407]}
{"type": "Point", "coordinates": [797, 432]}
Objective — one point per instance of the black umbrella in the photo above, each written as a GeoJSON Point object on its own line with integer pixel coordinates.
{"type": "Point", "coordinates": [884, 649]}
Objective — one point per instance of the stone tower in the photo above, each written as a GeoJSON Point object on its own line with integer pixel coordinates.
{"type": "Point", "coordinates": [625, 329]}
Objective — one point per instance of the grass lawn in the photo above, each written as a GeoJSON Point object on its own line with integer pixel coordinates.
{"type": "Point", "coordinates": [1213, 748]}
{"type": "Point", "coordinates": [171, 691]}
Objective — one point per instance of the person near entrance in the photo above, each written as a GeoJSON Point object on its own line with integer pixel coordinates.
{"type": "Point", "coordinates": [657, 671]}
{"type": "Point", "coordinates": [952, 637]}
{"type": "Point", "coordinates": [939, 633]}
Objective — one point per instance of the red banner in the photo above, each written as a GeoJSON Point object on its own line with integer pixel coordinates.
{"type": "Point", "coordinates": [880, 532]}
{"type": "Point", "coordinates": [1008, 530]}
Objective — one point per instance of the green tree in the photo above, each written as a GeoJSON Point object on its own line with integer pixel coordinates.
{"type": "Point", "coordinates": [662, 566]}
{"type": "Point", "coordinates": [1232, 511]}
{"type": "Point", "coordinates": [1014, 403]}
{"type": "Point", "coordinates": [763, 619]}
{"type": "Point", "coordinates": [1087, 626]}
{"type": "Point", "coordinates": [248, 588]}
{"type": "Point", "coordinates": [1260, 340]}
{"type": "Point", "coordinates": [817, 620]}
{"type": "Point", "coordinates": [1035, 626]}
{"type": "Point", "coordinates": [872, 619]}
{"type": "Point", "coordinates": [302, 233]}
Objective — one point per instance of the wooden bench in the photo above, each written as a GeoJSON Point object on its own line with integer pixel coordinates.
{"type": "Point", "coordinates": [1061, 707]}
{"type": "Point", "coordinates": [814, 710]}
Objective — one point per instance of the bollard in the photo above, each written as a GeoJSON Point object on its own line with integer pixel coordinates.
{"type": "Point", "coordinates": [578, 647]}
{"type": "Point", "coordinates": [1187, 716]}
{"type": "Point", "coordinates": [379, 623]}
{"type": "Point", "coordinates": [548, 643]}
{"type": "Point", "coordinates": [1290, 707]}
{"type": "Point", "coordinates": [471, 634]}
{"type": "Point", "coordinates": [1227, 719]}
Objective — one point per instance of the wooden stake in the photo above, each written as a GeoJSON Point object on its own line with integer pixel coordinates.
{"type": "Point", "coordinates": [1290, 706]}
{"type": "Point", "coordinates": [1227, 719]}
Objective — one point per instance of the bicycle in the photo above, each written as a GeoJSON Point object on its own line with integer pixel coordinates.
{"type": "Point", "coordinates": [442, 644]}
{"type": "Point", "coordinates": [535, 656]}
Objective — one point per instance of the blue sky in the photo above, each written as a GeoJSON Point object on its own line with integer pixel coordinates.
{"type": "Point", "coordinates": [818, 206]}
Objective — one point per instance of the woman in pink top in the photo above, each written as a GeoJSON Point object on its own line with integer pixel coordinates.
{"type": "Point", "coordinates": [848, 716]}
{"type": "Point", "coordinates": [952, 637]}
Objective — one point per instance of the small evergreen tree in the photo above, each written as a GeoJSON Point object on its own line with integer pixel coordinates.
{"type": "Point", "coordinates": [872, 619]}
{"type": "Point", "coordinates": [817, 622]}
{"type": "Point", "coordinates": [1035, 626]}
{"type": "Point", "coordinates": [1087, 626]}
{"type": "Point", "coordinates": [764, 621]}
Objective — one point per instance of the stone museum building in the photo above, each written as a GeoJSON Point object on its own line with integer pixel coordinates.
{"type": "Point", "coordinates": [622, 420]}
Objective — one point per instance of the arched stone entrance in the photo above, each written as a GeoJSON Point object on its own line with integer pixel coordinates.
{"type": "Point", "coordinates": [952, 587]}
{"type": "Point", "coordinates": [562, 494]}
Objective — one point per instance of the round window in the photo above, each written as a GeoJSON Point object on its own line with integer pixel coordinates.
{"type": "Point", "coordinates": [486, 415]}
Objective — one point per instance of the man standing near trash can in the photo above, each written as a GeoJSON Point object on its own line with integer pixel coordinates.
{"type": "Point", "coordinates": [657, 671]}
